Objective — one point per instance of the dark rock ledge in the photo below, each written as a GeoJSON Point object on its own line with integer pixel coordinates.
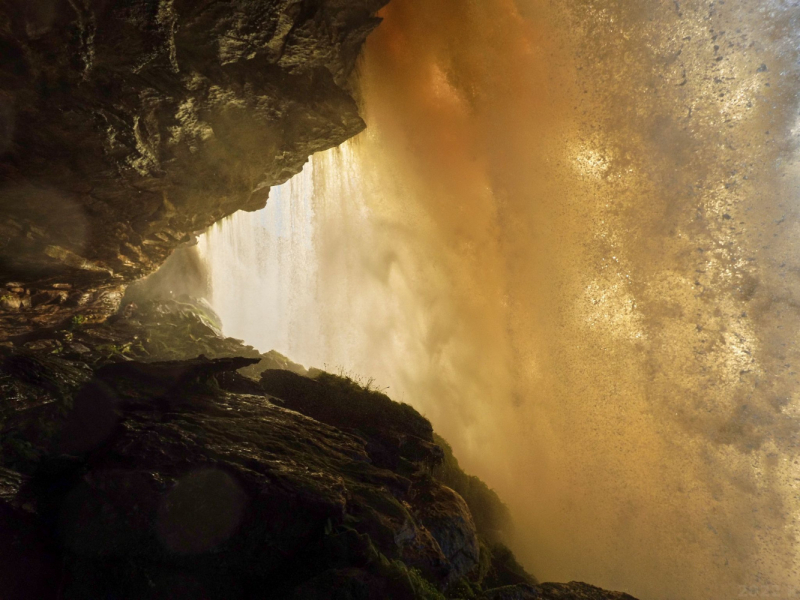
{"type": "Point", "coordinates": [128, 125]}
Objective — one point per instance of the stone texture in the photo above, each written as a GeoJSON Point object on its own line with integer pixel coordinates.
{"type": "Point", "coordinates": [127, 126]}
{"type": "Point", "coordinates": [447, 517]}
{"type": "Point", "coordinates": [397, 436]}
{"type": "Point", "coordinates": [156, 470]}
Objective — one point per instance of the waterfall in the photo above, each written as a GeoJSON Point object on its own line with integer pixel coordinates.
{"type": "Point", "coordinates": [257, 260]}
{"type": "Point", "coordinates": [570, 236]}
{"type": "Point", "coordinates": [291, 277]}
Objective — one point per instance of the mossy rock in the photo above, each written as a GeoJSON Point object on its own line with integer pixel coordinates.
{"type": "Point", "coordinates": [397, 436]}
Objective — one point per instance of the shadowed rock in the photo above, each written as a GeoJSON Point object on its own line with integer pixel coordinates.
{"type": "Point", "coordinates": [162, 380]}
{"type": "Point", "coordinates": [395, 432]}
{"type": "Point", "coordinates": [127, 126]}
{"type": "Point", "coordinates": [232, 491]}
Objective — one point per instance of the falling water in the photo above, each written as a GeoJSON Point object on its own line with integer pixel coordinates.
{"type": "Point", "coordinates": [263, 258]}
{"type": "Point", "coordinates": [570, 237]}
{"type": "Point", "coordinates": [286, 278]}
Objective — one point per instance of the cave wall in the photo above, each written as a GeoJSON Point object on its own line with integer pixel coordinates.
{"type": "Point", "coordinates": [128, 125]}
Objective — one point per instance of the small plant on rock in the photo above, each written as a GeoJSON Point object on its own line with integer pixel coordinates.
{"type": "Point", "coordinates": [77, 322]}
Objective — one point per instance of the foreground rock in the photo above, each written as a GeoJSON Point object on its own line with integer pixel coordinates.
{"type": "Point", "coordinates": [127, 126]}
{"type": "Point", "coordinates": [162, 481]}
{"type": "Point", "coordinates": [186, 479]}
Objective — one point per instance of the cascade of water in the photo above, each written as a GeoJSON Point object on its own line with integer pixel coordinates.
{"type": "Point", "coordinates": [257, 260]}
{"type": "Point", "coordinates": [572, 240]}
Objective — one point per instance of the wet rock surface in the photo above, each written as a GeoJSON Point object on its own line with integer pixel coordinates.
{"type": "Point", "coordinates": [158, 472]}
{"type": "Point", "coordinates": [127, 126]}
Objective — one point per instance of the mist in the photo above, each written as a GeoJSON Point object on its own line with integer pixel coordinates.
{"type": "Point", "coordinates": [569, 236]}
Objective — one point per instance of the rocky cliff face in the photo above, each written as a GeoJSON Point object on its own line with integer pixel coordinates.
{"type": "Point", "coordinates": [127, 125]}
{"type": "Point", "coordinates": [143, 454]}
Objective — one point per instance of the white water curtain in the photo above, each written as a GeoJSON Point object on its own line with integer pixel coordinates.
{"type": "Point", "coordinates": [571, 237]}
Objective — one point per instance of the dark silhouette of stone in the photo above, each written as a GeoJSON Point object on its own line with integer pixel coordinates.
{"type": "Point", "coordinates": [395, 432]}
{"type": "Point", "coordinates": [232, 490]}
{"type": "Point", "coordinates": [127, 126]}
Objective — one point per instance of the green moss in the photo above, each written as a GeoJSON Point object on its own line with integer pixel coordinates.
{"type": "Point", "coordinates": [109, 350]}
{"type": "Point", "coordinates": [77, 322]}
{"type": "Point", "coordinates": [484, 561]}
{"type": "Point", "coordinates": [421, 587]}
{"type": "Point", "coordinates": [348, 546]}
{"type": "Point", "coordinates": [407, 580]}
{"type": "Point", "coordinates": [381, 501]}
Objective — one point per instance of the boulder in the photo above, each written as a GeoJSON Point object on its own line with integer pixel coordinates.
{"type": "Point", "coordinates": [446, 516]}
